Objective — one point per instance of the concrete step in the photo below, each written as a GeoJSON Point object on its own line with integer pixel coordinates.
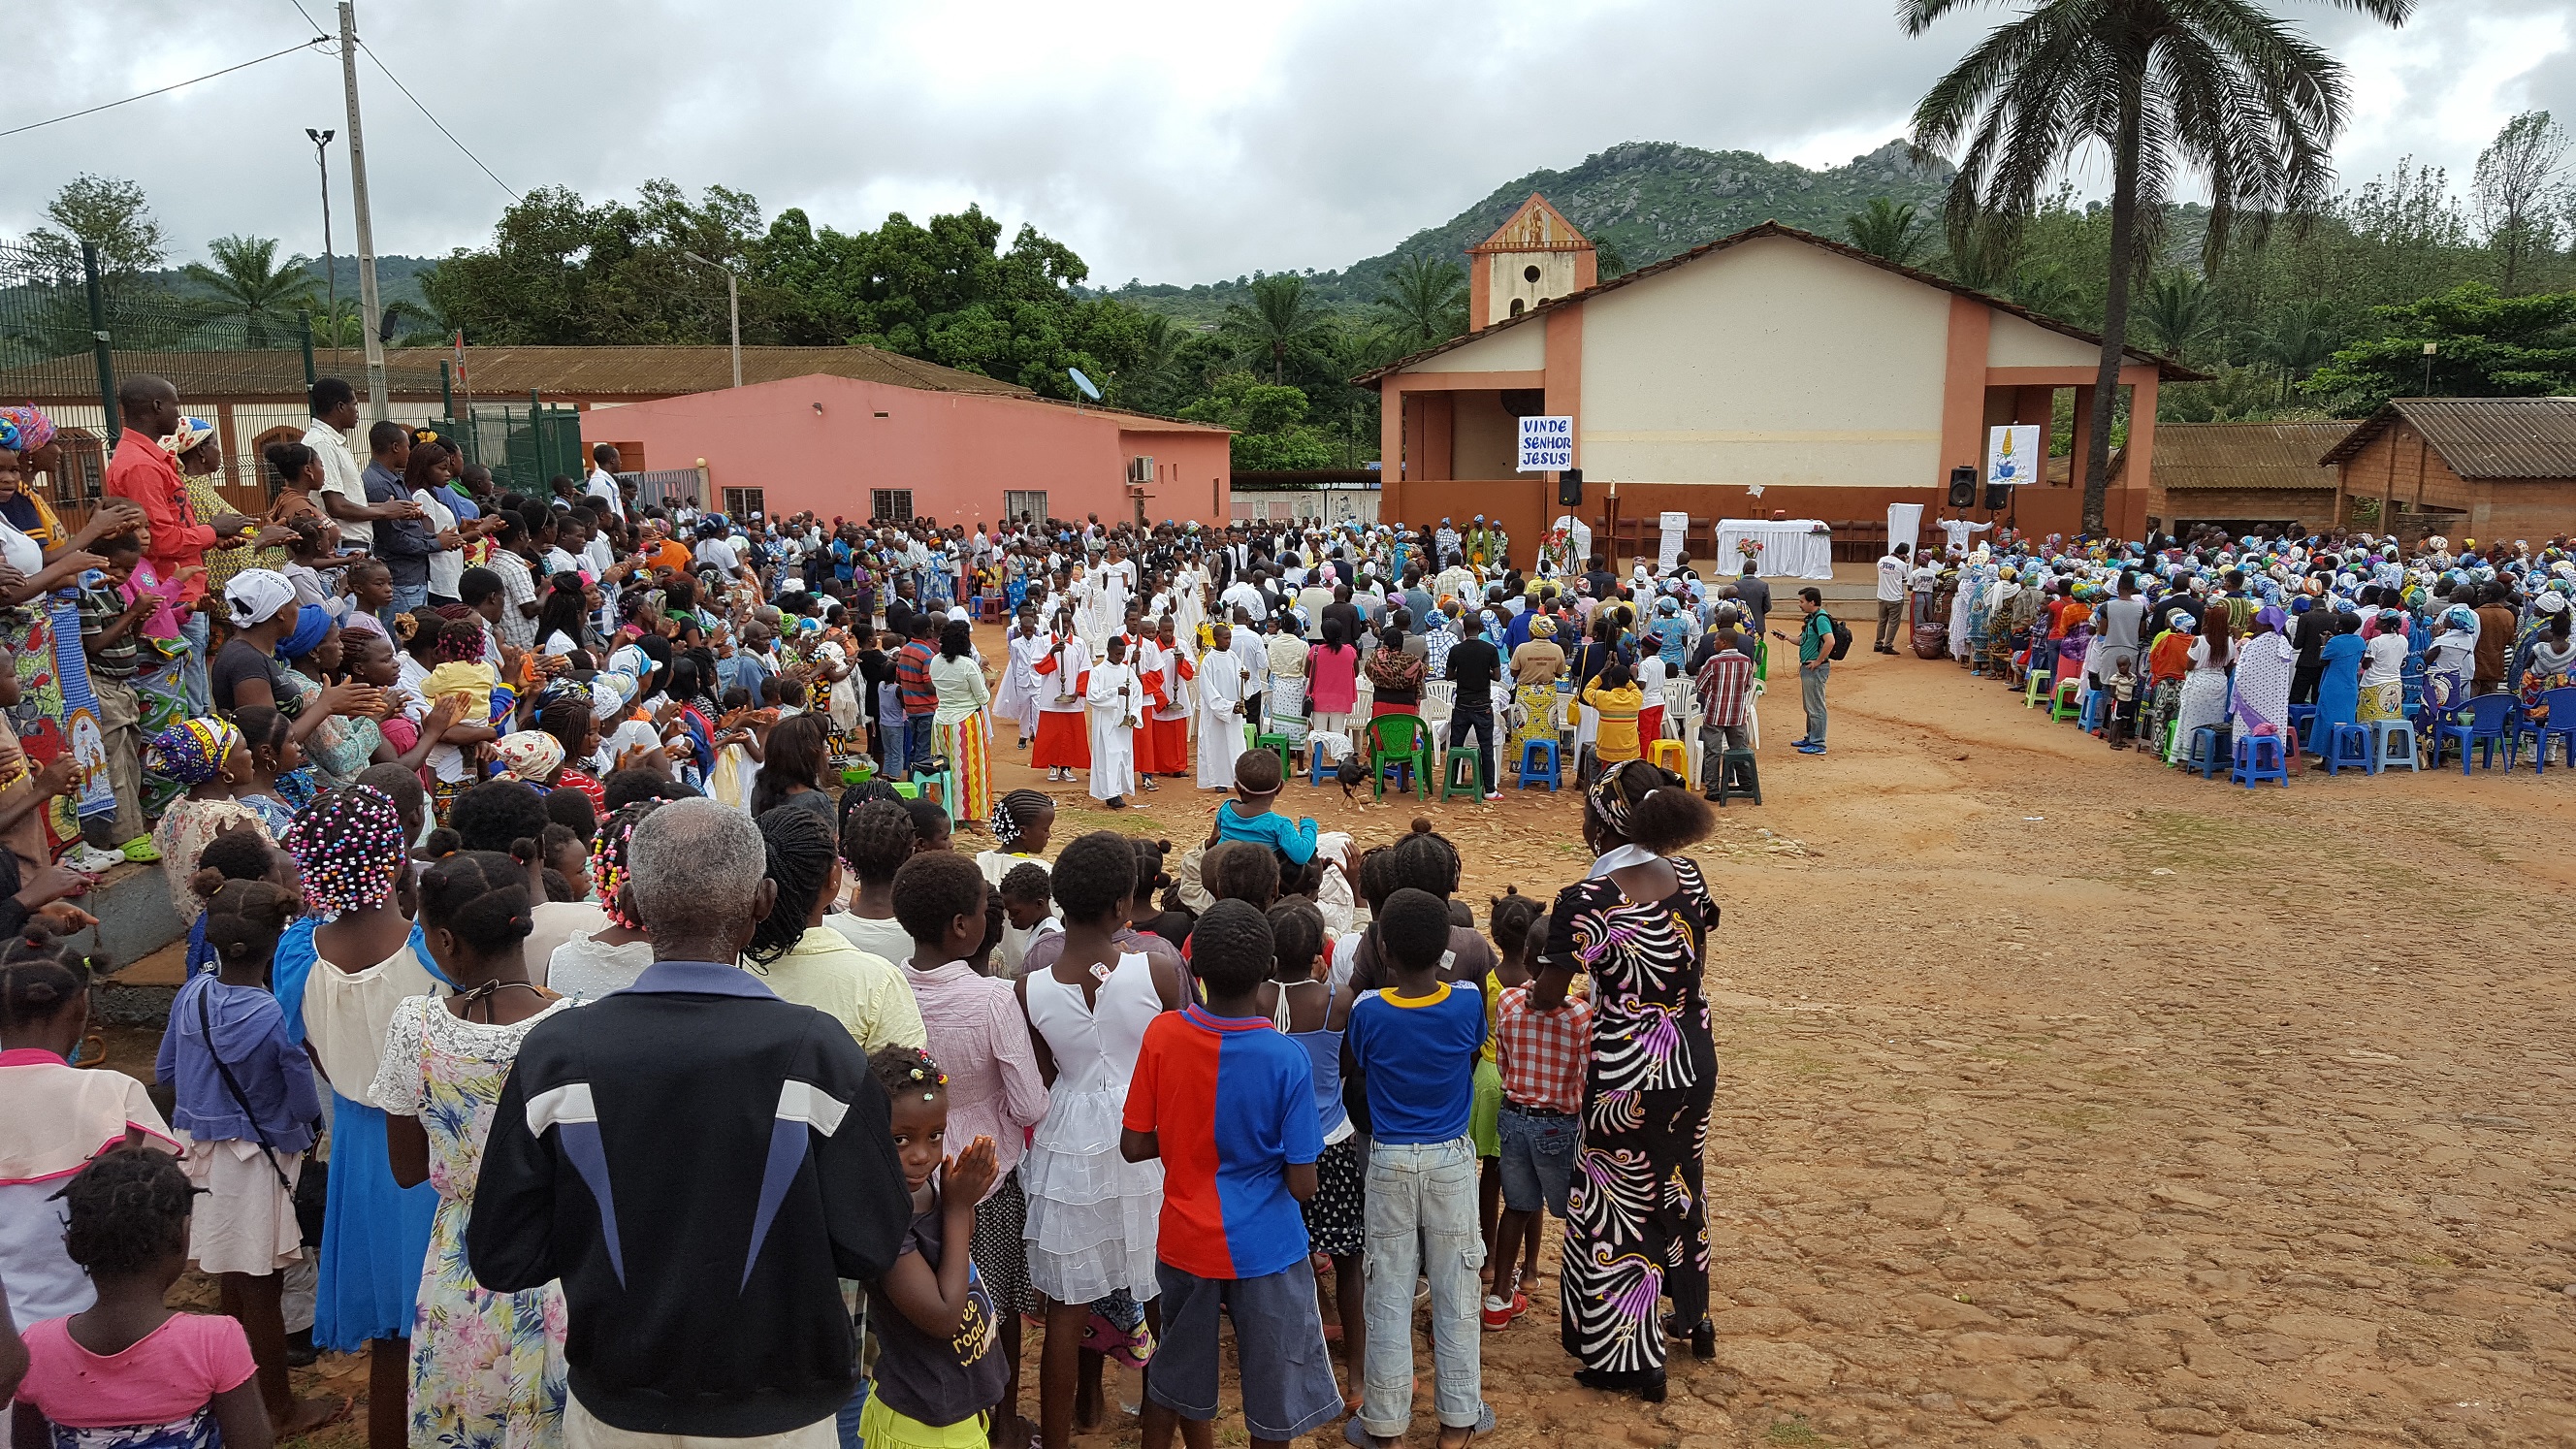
{"type": "Point", "coordinates": [140, 933]}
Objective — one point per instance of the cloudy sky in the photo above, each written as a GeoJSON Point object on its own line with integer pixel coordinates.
{"type": "Point", "coordinates": [1172, 141]}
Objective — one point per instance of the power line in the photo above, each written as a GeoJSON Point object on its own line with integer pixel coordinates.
{"type": "Point", "coordinates": [165, 90]}
{"type": "Point", "coordinates": [433, 120]}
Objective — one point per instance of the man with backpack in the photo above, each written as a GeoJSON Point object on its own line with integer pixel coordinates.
{"type": "Point", "coordinates": [1821, 641]}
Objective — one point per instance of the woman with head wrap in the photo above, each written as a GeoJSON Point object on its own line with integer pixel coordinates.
{"type": "Point", "coordinates": [341, 745]}
{"type": "Point", "coordinates": [2339, 675]}
{"type": "Point", "coordinates": [2204, 687]}
{"type": "Point", "coordinates": [1535, 668]}
{"type": "Point", "coordinates": [2450, 661]}
{"type": "Point", "coordinates": [2265, 663]}
{"type": "Point", "coordinates": [355, 956]}
{"type": "Point", "coordinates": [2548, 660]}
{"type": "Point", "coordinates": [208, 760]}
{"type": "Point", "coordinates": [2383, 670]}
{"type": "Point", "coordinates": [199, 453]}
{"type": "Point", "coordinates": [1638, 925]}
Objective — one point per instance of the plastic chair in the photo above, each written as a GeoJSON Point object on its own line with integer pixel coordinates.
{"type": "Point", "coordinates": [2346, 746]}
{"type": "Point", "coordinates": [2302, 720]}
{"type": "Point", "coordinates": [2089, 718]}
{"type": "Point", "coordinates": [2559, 707]}
{"type": "Point", "coordinates": [2036, 691]}
{"type": "Point", "coordinates": [1738, 775]}
{"type": "Point", "coordinates": [2062, 701]}
{"type": "Point", "coordinates": [2208, 750]}
{"type": "Point", "coordinates": [1399, 740]}
{"type": "Point", "coordinates": [1280, 743]}
{"type": "Point", "coordinates": [2482, 721]}
{"type": "Point", "coordinates": [1672, 755]}
{"type": "Point", "coordinates": [1539, 764]}
{"type": "Point", "coordinates": [2392, 743]}
{"type": "Point", "coordinates": [2260, 758]}
{"type": "Point", "coordinates": [1463, 774]}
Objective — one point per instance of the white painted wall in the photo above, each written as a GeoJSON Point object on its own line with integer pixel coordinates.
{"type": "Point", "coordinates": [1509, 280]}
{"type": "Point", "coordinates": [1770, 362]}
{"type": "Point", "coordinates": [1514, 349]}
{"type": "Point", "coordinates": [2013, 342]}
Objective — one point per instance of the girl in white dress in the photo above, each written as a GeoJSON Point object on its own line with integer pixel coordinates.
{"type": "Point", "coordinates": [1092, 1214]}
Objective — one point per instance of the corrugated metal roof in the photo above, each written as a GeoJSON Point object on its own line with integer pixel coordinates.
{"type": "Point", "coordinates": [581, 372]}
{"type": "Point", "coordinates": [2166, 368]}
{"type": "Point", "coordinates": [2478, 437]}
{"type": "Point", "coordinates": [2192, 456]}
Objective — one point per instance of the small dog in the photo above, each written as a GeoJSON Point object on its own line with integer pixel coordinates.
{"type": "Point", "coordinates": [1353, 773]}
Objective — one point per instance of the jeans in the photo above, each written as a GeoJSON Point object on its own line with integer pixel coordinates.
{"type": "Point", "coordinates": [845, 1420]}
{"type": "Point", "coordinates": [891, 754]}
{"type": "Point", "coordinates": [409, 598]}
{"type": "Point", "coordinates": [1811, 695]}
{"type": "Point", "coordinates": [1462, 720]}
{"type": "Point", "coordinates": [1537, 1158]}
{"type": "Point", "coordinates": [1422, 1219]}
{"type": "Point", "coordinates": [193, 680]}
{"type": "Point", "coordinates": [916, 739]}
{"type": "Point", "coordinates": [1891, 620]}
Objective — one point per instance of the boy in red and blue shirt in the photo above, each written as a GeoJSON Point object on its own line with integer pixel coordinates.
{"type": "Point", "coordinates": [1228, 1104]}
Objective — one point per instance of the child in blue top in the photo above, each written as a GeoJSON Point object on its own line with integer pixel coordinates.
{"type": "Point", "coordinates": [1415, 1045]}
{"type": "Point", "coordinates": [1248, 815]}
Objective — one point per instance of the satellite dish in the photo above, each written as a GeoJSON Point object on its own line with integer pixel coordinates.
{"type": "Point", "coordinates": [1089, 388]}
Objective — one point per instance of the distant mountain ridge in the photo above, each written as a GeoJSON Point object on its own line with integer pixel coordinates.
{"type": "Point", "coordinates": [1647, 200]}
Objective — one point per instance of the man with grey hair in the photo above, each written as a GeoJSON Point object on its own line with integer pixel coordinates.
{"type": "Point", "coordinates": [698, 1162]}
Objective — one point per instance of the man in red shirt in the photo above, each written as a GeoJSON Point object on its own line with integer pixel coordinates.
{"type": "Point", "coordinates": [142, 473]}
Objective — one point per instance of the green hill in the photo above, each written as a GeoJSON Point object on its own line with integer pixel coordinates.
{"type": "Point", "coordinates": [1645, 200]}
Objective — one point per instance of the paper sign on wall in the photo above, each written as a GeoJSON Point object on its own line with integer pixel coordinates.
{"type": "Point", "coordinates": [2012, 455]}
{"type": "Point", "coordinates": [1547, 444]}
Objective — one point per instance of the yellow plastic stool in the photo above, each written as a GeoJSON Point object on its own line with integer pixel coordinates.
{"type": "Point", "coordinates": [1673, 755]}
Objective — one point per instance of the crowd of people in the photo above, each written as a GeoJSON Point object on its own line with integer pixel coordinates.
{"type": "Point", "coordinates": [569, 955]}
{"type": "Point", "coordinates": [2223, 639]}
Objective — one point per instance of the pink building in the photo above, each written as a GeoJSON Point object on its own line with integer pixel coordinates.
{"type": "Point", "coordinates": [856, 447]}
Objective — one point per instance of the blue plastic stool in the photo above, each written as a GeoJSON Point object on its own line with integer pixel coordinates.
{"type": "Point", "coordinates": [2392, 743]}
{"type": "Point", "coordinates": [2259, 758]}
{"type": "Point", "coordinates": [2346, 746]}
{"type": "Point", "coordinates": [2089, 718]}
{"type": "Point", "coordinates": [2302, 716]}
{"type": "Point", "coordinates": [2208, 750]}
{"type": "Point", "coordinates": [1317, 767]}
{"type": "Point", "coordinates": [1539, 764]}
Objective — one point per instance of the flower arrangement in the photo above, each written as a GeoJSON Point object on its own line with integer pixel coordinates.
{"type": "Point", "coordinates": [1748, 548]}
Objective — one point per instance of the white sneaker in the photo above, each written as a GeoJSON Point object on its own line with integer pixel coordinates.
{"type": "Point", "coordinates": [85, 857]}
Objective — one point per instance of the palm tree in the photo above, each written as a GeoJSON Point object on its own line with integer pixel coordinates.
{"type": "Point", "coordinates": [1982, 260]}
{"type": "Point", "coordinates": [2215, 88]}
{"type": "Point", "coordinates": [2177, 311]}
{"type": "Point", "coordinates": [2297, 338]}
{"type": "Point", "coordinates": [2043, 286]}
{"type": "Point", "coordinates": [1424, 300]}
{"type": "Point", "coordinates": [249, 282]}
{"type": "Point", "coordinates": [1886, 230]}
{"type": "Point", "coordinates": [1281, 320]}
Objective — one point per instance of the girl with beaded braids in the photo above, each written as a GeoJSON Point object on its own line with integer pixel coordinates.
{"type": "Point", "coordinates": [592, 962]}
{"type": "Point", "coordinates": [939, 1367]}
{"type": "Point", "coordinates": [486, 1368]}
{"type": "Point", "coordinates": [242, 1090]}
{"type": "Point", "coordinates": [58, 1114]}
{"type": "Point", "coordinates": [1023, 823]}
{"type": "Point", "coordinates": [356, 957]}
{"type": "Point", "coordinates": [808, 962]}
{"type": "Point", "coordinates": [128, 1369]}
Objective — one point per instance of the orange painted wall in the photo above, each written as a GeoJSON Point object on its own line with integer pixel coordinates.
{"type": "Point", "coordinates": [1193, 474]}
{"type": "Point", "coordinates": [957, 452]}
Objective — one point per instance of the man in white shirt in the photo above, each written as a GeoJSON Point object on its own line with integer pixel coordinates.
{"type": "Point", "coordinates": [1959, 531]}
{"type": "Point", "coordinates": [344, 483]}
{"type": "Point", "coordinates": [1894, 568]}
{"type": "Point", "coordinates": [603, 480]}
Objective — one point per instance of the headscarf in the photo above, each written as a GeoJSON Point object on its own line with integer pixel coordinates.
{"type": "Point", "coordinates": [1542, 627]}
{"type": "Point", "coordinates": [32, 428]}
{"type": "Point", "coordinates": [310, 628]}
{"type": "Point", "coordinates": [530, 757]}
{"type": "Point", "coordinates": [9, 441]}
{"type": "Point", "coordinates": [192, 431]}
{"type": "Point", "coordinates": [256, 595]}
{"type": "Point", "coordinates": [609, 693]}
{"type": "Point", "coordinates": [1613, 810]}
{"type": "Point", "coordinates": [191, 751]}
{"type": "Point", "coordinates": [345, 844]}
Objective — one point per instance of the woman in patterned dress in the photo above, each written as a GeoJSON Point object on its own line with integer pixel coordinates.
{"type": "Point", "coordinates": [487, 1368]}
{"type": "Point", "coordinates": [1636, 1226]}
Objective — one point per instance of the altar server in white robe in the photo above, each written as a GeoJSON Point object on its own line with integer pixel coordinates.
{"type": "Point", "coordinates": [1114, 702]}
{"type": "Point", "coordinates": [1221, 722]}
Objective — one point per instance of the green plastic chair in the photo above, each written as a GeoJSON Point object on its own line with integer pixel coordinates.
{"type": "Point", "coordinates": [1399, 739]}
{"type": "Point", "coordinates": [1463, 775]}
{"type": "Point", "coordinates": [1279, 743]}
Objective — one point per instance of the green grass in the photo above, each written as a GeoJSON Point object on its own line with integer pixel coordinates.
{"type": "Point", "coordinates": [1795, 1432]}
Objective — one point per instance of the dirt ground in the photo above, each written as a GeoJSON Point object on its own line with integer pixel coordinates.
{"type": "Point", "coordinates": [2069, 1100]}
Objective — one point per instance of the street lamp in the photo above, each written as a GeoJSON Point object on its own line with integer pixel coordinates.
{"type": "Point", "coordinates": [733, 309]}
{"type": "Point", "coordinates": [2429, 349]}
{"type": "Point", "coordinates": [330, 270]}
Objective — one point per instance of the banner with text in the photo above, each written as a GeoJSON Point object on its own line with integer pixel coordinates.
{"type": "Point", "coordinates": [1547, 444]}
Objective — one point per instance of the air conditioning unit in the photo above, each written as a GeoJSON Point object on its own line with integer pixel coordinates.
{"type": "Point", "coordinates": [1140, 470]}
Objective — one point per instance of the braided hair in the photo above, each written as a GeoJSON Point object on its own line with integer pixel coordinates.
{"type": "Point", "coordinates": [481, 896]}
{"type": "Point", "coordinates": [1509, 916]}
{"type": "Point", "coordinates": [346, 844]}
{"type": "Point", "coordinates": [126, 1211]}
{"type": "Point", "coordinates": [902, 1069]}
{"type": "Point", "coordinates": [1015, 811]}
{"type": "Point", "coordinates": [876, 839]}
{"type": "Point", "coordinates": [39, 976]}
{"type": "Point", "coordinates": [608, 861]}
{"type": "Point", "coordinates": [460, 638]}
{"type": "Point", "coordinates": [244, 918]}
{"type": "Point", "coordinates": [800, 849]}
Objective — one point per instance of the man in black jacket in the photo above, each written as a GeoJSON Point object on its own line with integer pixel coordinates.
{"type": "Point", "coordinates": [698, 1161]}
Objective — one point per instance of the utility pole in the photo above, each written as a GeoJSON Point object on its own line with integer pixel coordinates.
{"type": "Point", "coordinates": [733, 309]}
{"type": "Point", "coordinates": [330, 268]}
{"type": "Point", "coordinates": [367, 300]}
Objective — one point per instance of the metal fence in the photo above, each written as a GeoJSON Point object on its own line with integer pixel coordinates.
{"type": "Point", "coordinates": [524, 444]}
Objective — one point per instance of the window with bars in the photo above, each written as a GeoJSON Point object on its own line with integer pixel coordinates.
{"type": "Point", "coordinates": [891, 505]}
{"type": "Point", "coordinates": [1030, 504]}
{"type": "Point", "coordinates": [742, 503]}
